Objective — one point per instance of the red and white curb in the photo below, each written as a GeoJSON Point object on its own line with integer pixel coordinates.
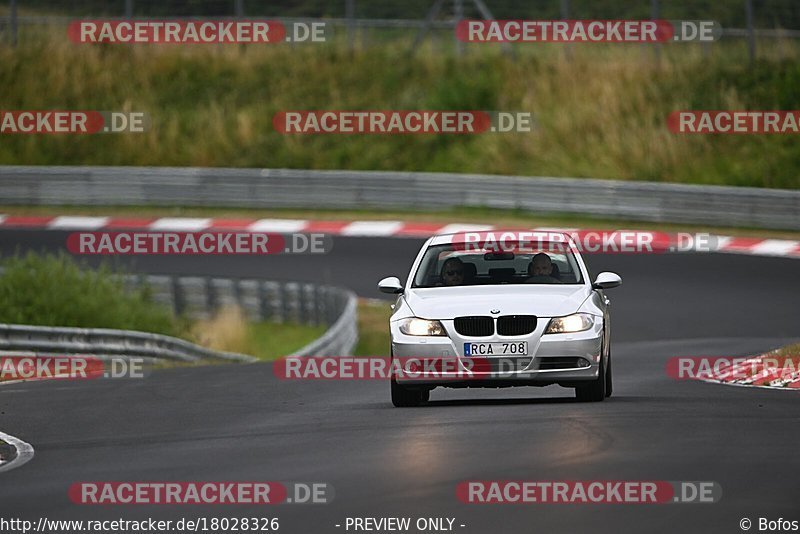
{"type": "Point", "coordinates": [764, 378]}
{"type": "Point", "coordinates": [728, 244]}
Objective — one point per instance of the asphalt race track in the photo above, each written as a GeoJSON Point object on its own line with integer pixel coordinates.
{"type": "Point", "coordinates": [237, 422]}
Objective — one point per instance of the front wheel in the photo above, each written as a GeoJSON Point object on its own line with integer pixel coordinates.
{"type": "Point", "coordinates": [594, 391]}
{"type": "Point", "coordinates": [609, 385]}
{"type": "Point", "coordinates": [403, 397]}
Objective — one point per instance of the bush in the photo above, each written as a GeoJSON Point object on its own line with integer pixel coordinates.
{"type": "Point", "coordinates": [48, 290]}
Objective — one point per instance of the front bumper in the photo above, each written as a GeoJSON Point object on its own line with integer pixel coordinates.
{"type": "Point", "coordinates": [565, 359]}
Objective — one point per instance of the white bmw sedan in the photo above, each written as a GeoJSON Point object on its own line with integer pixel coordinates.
{"type": "Point", "coordinates": [479, 313]}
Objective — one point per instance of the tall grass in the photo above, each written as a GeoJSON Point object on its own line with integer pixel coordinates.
{"type": "Point", "coordinates": [600, 114]}
{"type": "Point", "coordinates": [229, 330]}
{"type": "Point", "coordinates": [50, 290]}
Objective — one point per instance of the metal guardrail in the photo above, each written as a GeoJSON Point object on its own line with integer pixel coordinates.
{"type": "Point", "coordinates": [199, 297]}
{"type": "Point", "coordinates": [307, 189]}
{"type": "Point", "coordinates": [106, 342]}
{"type": "Point", "coordinates": [340, 338]}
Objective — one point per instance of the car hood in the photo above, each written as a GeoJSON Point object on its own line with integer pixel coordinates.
{"type": "Point", "coordinates": [542, 300]}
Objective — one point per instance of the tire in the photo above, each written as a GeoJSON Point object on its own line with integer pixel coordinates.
{"type": "Point", "coordinates": [609, 381]}
{"type": "Point", "coordinates": [403, 397]}
{"type": "Point", "coordinates": [594, 391]}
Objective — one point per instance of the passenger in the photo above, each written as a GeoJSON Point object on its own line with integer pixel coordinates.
{"type": "Point", "coordinates": [541, 270]}
{"type": "Point", "coordinates": [453, 272]}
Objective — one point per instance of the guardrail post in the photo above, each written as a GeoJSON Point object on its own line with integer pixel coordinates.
{"type": "Point", "coordinates": [273, 301]}
{"type": "Point", "coordinates": [458, 15]}
{"type": "Point", "coordinates": [263, 304]}
{"type": "Point", "coordinates": [289, 302]}
{"type": "Point", "coordinates": [249, 298]}
{"type": "Point", "coordinates": [13, 22]}
{"type": "Point", "coordinates": [311, 304]}
{"type": "Point", "coordinates": [161, 289]}
{"type": "Point", "coordinates": [177, 293]}
{"type": "Point", "coordinates": [223, 292]}
{"type": "Point", "coordinates": [751, 34]}
{"type": "Point", "coordinates": [350, 15]}
{"type": "Point", "coordinates": [293, 303]}
{"type": "Point", "coordinates": [195, 296]}
{"type": "Point", "coordinates": [565, 16]}
{"type": "Point", "coordinates": [319, 308]}
{"type": "Point", "coordinates": [655, 13]}
{"type": "Point", "coordinates": [304, 317]}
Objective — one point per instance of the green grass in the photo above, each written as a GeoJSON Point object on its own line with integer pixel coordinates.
{"type": "Point", "coordinates": [48, 290]}
{"type": "Point", "coordinates": [373, 328]}
{"type": "Point", "coordinates": [601, 114]}
{"type": "Point", "coordinates": [269, 341]}
{"type": "Point", "coordinates": [229, 330]}
{"type": "Point", "coordinates": [790, 351]}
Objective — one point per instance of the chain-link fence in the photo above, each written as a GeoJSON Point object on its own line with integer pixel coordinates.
{"type": "Point", "coordinates": [367, 22]}
{"type": "Point", "coordinates": [729, 13]}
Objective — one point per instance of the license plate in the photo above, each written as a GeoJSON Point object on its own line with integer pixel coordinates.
{"type": "Point", "coordinates": [518, 348]}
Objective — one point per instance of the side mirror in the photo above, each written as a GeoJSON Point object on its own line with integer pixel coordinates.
{"type": "Point", "coordinates": [390, 285]}
{"type": "Point", "coordinates": [607, 280]}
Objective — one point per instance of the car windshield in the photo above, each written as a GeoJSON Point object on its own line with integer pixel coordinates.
{"type": "Point", "coordinates": [451, 265]}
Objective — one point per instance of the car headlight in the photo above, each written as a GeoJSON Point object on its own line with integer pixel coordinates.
{"type": "Point", "coordinates": [414, 326]}
{"type": "Point", "coordinates": [577, 322]}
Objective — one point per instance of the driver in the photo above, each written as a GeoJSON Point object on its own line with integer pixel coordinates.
{"type": "Point", "coordinates": [453, 272]}
{"type": "Point", "coordinates": [541, 270]}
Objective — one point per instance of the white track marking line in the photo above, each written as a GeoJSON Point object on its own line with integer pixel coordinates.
{"type": "Point", "coordinates": [24, 452]}
{"type": "Point", "coordinates": [774, 247]}
{"type": "Point", "coordinates": [457, 227]}
{"type": "Point", "coordinates": [180, 224]}
{"type": "Point", "coordinates": [372, 228]}
{"type": "Point", "coordinates": [278, 225]}
{"type": "Point", "coordinates": [66, 222]}
{"type": "Point", "coordinates": [556, 229]}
